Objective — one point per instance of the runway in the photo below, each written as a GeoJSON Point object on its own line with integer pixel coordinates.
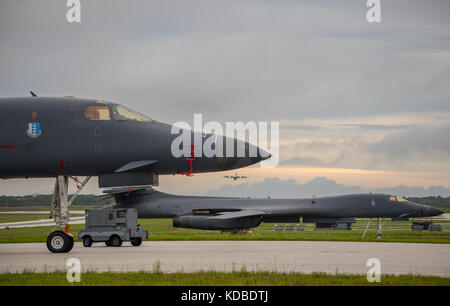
{"type": "Point", "coordinates": [192, 256]}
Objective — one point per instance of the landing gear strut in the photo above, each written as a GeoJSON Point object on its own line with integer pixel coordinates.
{"type": "Point", "coordinates": [379, 233]}
{"type": "Point", "coordinates": [60, 239]}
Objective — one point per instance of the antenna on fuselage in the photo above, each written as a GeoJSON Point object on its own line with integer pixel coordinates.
{"type": "Point", "coordinates": [33, 94]}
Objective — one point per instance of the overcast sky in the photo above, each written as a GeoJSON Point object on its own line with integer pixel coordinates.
{"type": "Point", "coordinates": [362, 104]}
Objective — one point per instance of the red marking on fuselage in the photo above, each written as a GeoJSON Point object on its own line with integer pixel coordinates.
{"type": "Point", "coordinates": [61, 163]}
{"type": "Point", "coordinates": [192, 151]}
{"type": "Point", "coordinates": [7, 146]}
{"type": "Point", "coordinates": [190, 161]}
{"type": "Point", "coordinates": [190, 171]}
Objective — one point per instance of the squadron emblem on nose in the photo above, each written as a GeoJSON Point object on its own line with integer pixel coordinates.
{"type": "Point", "coordinates": [34, 129]}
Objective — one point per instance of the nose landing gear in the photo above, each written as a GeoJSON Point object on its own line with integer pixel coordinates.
{"type": "Point", "coordinates": [60, 240]}
{"type": "Point", "coordinates": [379, 233]}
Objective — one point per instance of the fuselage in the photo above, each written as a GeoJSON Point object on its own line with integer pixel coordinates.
{"type": "Point", "coordinates": [46, 137]}
{"type": "Point", "coordinates": [153, 204]}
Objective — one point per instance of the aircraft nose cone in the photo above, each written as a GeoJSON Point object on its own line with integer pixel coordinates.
{"type": "Point", "coordinates": [240, 162]}
{"type": "Point", "coordinates": [261, 155]}
{"type": "Point", "coordinates": [264, 154]}
{"type": "Point", "coordinates": [243, 154]}
{"type": "Point", "coordinates": [432, 211]}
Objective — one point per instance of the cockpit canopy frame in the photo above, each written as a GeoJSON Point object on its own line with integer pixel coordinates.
{"type": "Point", "coordinates": [109, 111]}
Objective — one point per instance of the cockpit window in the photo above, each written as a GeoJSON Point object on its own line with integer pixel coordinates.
{"type": "Point", "coordinates": [102, 102]}
{"type": "Point", "coordinates": [123, 113]}
{"type": "Point", "coordinates": [95, 112]}
{"type": "Point", "coordinates": [392, 198]}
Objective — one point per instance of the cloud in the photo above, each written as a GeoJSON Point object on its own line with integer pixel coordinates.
{"type": "Point", "coordinates": [418, 143]}
{"type": "Point", "coordinates": [319, 186]}
{"type": "Point", "coordinates": [375, 126]}
{"type": "Point", "coordinates": [277, 188]}
{"type": "Point", "coordinates": [415, 191]}
{"type": "Point", "coordinates": [241, 60]}
{"type": "Point", "coordinates": [312, 161]}
{"type": "Point", "coordinates": [315, 63]}
{"type": "Point", "coordinates": [372, 147]}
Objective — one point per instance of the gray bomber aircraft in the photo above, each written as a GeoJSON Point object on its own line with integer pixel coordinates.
{"type": "Point", "coordinates": [222, 213]}
{"type": "Point", "coordinates": [69, 137]}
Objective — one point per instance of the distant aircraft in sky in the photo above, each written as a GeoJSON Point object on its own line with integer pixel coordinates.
{"type": "Point", "coordinates": [235, 177]}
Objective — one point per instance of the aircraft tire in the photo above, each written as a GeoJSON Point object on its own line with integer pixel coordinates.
{"type": "Point", "coordinates": [71, 244]}
{"type": "Point", "coordinates": [137, 241]}
{"type": "Point", "coordinates": [59, 242]}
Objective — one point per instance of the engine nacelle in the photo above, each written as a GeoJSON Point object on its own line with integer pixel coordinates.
{"type": "Point", "coordinates": [209, 223]}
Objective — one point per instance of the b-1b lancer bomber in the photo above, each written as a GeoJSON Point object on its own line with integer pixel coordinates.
{"type": "Point", "coordinates": [69, 137]}
{"type": "Point", "coordinates": [224, 213]}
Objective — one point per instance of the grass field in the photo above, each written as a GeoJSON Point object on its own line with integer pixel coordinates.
{"type": "Point", "coordinates": [241, 278]}
{"type": "Point", "coordinates": [161, 229]}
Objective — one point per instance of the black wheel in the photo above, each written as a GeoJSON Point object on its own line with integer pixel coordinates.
{"type": "Point", "coordinates": [115, 241]}
{"type": "Point", "coordinates": [59, 242]}
{"type": "Point", "coordinates": [71, 243]}
{"type": "Point", "coordinates": [107, 243]}
{"type": "Point", "coordinates": [137, 241]}
{"type": "Point", "coordinates": [87, 241]}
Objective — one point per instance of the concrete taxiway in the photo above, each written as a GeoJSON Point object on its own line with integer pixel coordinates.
{"type": "Point", "coordinates": [38, 212]}
{"type": "Point", "coordinates": [39, 222]}
{"type": "Point", "coordinates": [192, 256]}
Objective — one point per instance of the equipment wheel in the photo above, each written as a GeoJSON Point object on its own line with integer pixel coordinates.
{"type": "Point", "coordinates": [137, 241]}
{"type": "Point", "coordinates": [87, 241]}
{"type": "Point", "coordinates": [115, 241]}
